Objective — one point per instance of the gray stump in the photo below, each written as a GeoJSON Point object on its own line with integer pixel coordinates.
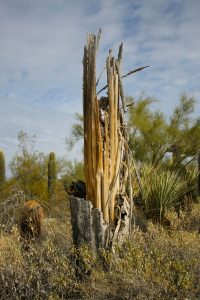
{"type": "Point", "coordinates": [88, 226]}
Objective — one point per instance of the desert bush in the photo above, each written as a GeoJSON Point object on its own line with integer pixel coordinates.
{"type": "Point", "coordinates": [11, 197]}
{"type": "Point", "coordinates": [43, 272]}
{"type": "Point", "coordinates": [157, 264]}
{"type": "Point", "coordinates": [167, 264]}
{"type": "Point", "coordinates": [190, 219]}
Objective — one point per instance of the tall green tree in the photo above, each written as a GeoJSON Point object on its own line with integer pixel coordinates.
{"type": "Point", "coordinates": [184, 131]}
{"type": "Point", "coordinates": [148, 140]}
{"type": "Point", "coordinates": [152, 136]}
{"type": "Point", "coordinates": [52, 174]}
{"type": "Point", "coordinates": [2, 168]}
{"type": "Point", "coordinates": [29, 167]}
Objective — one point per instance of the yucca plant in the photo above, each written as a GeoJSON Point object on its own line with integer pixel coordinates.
{"type": "Point", "coordinates": [161, 190]}
{"type": "Point", "coordinates": [166, 191]}
{"type": "Point", "coordinates": [141, 186]}
{"type": "Point", "coordinates": [191, 176]}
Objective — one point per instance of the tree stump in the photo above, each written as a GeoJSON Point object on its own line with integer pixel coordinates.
{"type": "Point", "coordinates": [88, 226]}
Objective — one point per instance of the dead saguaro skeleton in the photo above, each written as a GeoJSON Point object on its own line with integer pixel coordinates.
{"type": "Point", "coordinates": [106, 155]}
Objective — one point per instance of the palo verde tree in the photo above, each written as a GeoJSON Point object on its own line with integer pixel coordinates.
{"type": "Point", "coordinates": [152, 136]}
{"type": "Point", "coordinates": [184, 131]}
{"type": "Point", "coordinates": [52, 174]}
{"type": "Point", "coordinates": [146, 132]}
{"type": "Point", "coordinates": [29, 167]}
{"type": "Point", "coordinates": [2, 168]}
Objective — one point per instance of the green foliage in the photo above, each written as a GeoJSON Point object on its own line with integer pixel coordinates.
{"type": "Point", "coordinates": [29, 168]}
{"type": "Point", "coordinates": [184, 132]}
{"type": "Point", "coordinates": [161, 190]}
{"type": "Point", "coordinates": [2, 169]}
{"type": "Point", "coordinates": [191, 177]}
{"type": "Point", "coordinates": [181, 117]}
{"type": "Point", "coordinates": [52, 173]}
{"type": "Point", "coordinates": [148, 140]}
{"type": "Point", "coordinates": [152, 136]}
{"type": "Point", "coordinates": [76, 132]}
{"type": "Point", "coordinates": [166, 191]}
{"type": "Point", "coordinates": [73, 171]}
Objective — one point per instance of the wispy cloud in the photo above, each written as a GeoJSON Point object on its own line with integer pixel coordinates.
{"type": "Point", "coordinates": [41, 53]}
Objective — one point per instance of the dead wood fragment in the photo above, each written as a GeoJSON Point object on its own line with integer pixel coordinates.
{"type": "Point", "coordinates": [107, 219]}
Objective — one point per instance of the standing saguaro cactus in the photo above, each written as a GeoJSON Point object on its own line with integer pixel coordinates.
{"type": "Point", "coordinates": [2, 168]}
{"type": "Point", "coordinates": [52, 172]}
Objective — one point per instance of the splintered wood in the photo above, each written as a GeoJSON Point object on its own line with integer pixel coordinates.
{"type": "Point", "coordinates": [105, 136]}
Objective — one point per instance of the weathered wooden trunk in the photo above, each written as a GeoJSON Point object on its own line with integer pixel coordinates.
{"type": "Point", "coordinates": [105, 216]}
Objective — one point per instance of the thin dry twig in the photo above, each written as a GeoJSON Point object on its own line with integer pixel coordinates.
{"type": "Point", "coordinates": [120, 53]}
{"type": "Point", "coordinates": [98, 39]}
{"type": "Point", "coordinates": [129, 73]}
{"type": "Point", "coordinates": [100, 76]}
{"type": "Point", "coordinates": [134, 71]}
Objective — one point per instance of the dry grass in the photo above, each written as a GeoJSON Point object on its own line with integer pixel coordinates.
{"type": "Point", "coordinates": [158, 264]}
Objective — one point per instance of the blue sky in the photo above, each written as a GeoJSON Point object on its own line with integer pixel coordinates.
{"type": "Point", "coordinates": [41, 60]}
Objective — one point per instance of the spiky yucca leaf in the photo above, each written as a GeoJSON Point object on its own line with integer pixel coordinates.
{"type": "Point", "coordinates": [161, 190]}
{"type": "Point", "coordinates": [191, 177]}
{"type": "Point", "coordinates": [166, 191]}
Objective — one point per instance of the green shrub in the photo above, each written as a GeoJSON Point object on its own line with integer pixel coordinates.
{"type": "Point", "coordinates": [161, 190]}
